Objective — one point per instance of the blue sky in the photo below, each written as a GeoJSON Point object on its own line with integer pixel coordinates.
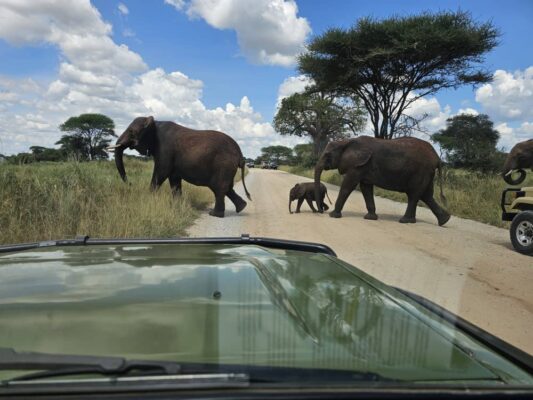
{"type": "Point", "coordinates": [185, 60]}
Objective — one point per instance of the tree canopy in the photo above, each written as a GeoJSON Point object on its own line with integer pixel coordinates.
{"type": "Point", "coordinates": [321, 116]}
{"type": "Point", "coordinates": [304, 155]}
{"type": "Point", "coordinates": [391, 63]}
{"type": "Point", "coordinates": [89, 135]}
{"type": "Point", "coordinates": [469, 141]}
{"type": "Point", "coordinates": [278, 154]}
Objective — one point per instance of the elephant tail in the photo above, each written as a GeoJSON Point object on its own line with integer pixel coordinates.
{"type": "Point", "coordinates": [328, 197]}
{"type": "Point", "coordinates": [243, 163]}
{"type": "Point", "coordinates": [442, 197]}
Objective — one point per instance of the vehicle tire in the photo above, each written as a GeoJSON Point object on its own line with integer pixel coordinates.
{"type": "Point", "coordinates": [522, 232]}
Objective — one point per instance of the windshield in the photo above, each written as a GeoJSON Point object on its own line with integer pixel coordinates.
{"type": "Point", "coordinates": [400, 136]}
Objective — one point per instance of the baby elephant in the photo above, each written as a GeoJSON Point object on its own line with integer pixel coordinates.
{"type": "Point", "coordinates": [306, 191]}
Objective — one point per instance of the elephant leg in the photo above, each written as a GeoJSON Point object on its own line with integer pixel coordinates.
{"type": "Point", "coordinates": [324, 205]}
{"type": "Point", "coordinates": [368, 195]}
{"type": "Point", "coordinates": [442, 215]}
{"type": "Point", "coordinates": [309, 200]}
{"type": "Point", "coordinates": [240, 204]}
{"type": "Point", "coordinates": [410, 212]}
{"type": "Point", "coordinates": [175, 185]}
{"type": "Point", "coordinates": [157, 181]}
{"type": "Point", "coordinates": [218, 211]}
{"type": "Point", "coordinates": [349, 183]}
{"type": "Point", "coordinates": [300, 202]}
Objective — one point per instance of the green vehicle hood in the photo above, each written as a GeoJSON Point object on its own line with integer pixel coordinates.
{"type": "Point", "coordinates": [230, 304]}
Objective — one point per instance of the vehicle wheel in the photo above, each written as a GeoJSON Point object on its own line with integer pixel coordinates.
{"type": "Point", "coordinates": [522, 232]}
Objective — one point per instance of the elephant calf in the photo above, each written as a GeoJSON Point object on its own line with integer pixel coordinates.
{"type": "Point", "coordinates": [306, 191]}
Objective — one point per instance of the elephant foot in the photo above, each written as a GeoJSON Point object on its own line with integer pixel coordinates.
{"type": "Point", "coordinates": [406, 220]}
{"type": "Point", "coordinates": [443, 219]}
{"type": "Point", "coordinates": [297, 211]}
{"type": "Point", "coordinates": [240, 206]}
{"type": "Point", "coordinates": [335, 214]}
{"type": "Point", "coordinates": [371, 216]}
{"type": "Point", "coordinates": [216, 213]}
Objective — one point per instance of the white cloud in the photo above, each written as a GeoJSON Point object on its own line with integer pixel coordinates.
{"type": "Point", "coordinates": [430, 107]}
{"type": "Point", "coordinates": [98, 75]}
{"type": "Point", "coordinates": [123, 9]}
{"type": "Point", "coordinates": [526, 129]}
{"type": "Point", "coordinates": [509, 96]}
{"type": "Point", "coordinates": [468, 110]}
{"type": "Point", "coordinates": [510, 135]}
{"type": "Point", "coordinates": [178, 4]}
{"type": "Point", "coordinates": [291, 85]}
{"type": "Point", "coordinates": [268, 31]}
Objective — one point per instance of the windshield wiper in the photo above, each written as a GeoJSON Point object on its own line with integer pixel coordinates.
{"type": "Point", "coordinates": [64, 364]}
{"type": "Point", "coordinates": [58, 365]}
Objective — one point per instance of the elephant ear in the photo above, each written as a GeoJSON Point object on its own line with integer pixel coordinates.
{"type": "Point", "coordinates": [149, 121]}
{"type": "Point", "coordinates": [147, 137]}
{"type": "Point", "coordinates": [360, 157]}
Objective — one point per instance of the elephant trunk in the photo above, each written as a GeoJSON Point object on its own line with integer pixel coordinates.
{"type": "Point", "coordinates": [119, 162]}
{"type": "Point", "coordinates": [318, 172]}
{"type": "Point", "coordinates": [509, 167]}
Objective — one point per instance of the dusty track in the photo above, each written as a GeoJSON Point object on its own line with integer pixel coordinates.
{"type": "Point", "coordinates": [467, 267]}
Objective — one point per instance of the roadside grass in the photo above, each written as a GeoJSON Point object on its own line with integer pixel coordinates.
{"type": "Point", "coordinates": [44, 201]}
{"type": "Point", "coordinates": [469, 195]}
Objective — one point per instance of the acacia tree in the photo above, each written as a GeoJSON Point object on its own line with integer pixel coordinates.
{"type": "Point", "coordinates": [469, 141]}
{"type": "Point", "coordinates": [391, 63]}
{"type": "Point", "coordinates": [89, 135]}
{"type": "Point", "coordinates": [278, 154]}
{"type": "Point", "coordinates": [321, 116]}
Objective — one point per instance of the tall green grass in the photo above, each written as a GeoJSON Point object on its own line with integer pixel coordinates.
{"type": "Point", "coordinates": [470, 195]}
{"type": "Point", "coordinates": [56, 200]}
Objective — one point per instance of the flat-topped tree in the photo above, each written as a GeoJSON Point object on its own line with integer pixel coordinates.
{"type": "Point", "coordinates": [88, 135]}
{"type": "Point", "coordinates": [391, 63]}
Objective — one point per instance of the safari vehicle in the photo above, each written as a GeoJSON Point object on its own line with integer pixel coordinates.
{"type": "Point", "coordinates": [517, 206]}
{"type": "Point", "coordinates": [243, 317]}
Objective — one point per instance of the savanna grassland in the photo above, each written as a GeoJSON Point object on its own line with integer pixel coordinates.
{"type": "Point", "coordinates": [43, 201]}
{"type": "Point", "coordinates": [469, 195]}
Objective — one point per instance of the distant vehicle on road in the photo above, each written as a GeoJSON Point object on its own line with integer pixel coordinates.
{"type": "Point", "coordinates": [250, 165]}
{"type": "Point", "coordinates": [269, 165]}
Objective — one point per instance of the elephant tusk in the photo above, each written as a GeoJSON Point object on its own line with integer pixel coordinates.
{"type": "Point", "coordinates": [112, 148]}
{"type": "Point", "coordinates": [509, 173]}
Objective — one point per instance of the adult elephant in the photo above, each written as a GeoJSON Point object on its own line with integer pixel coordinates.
{"type": "Point", "coordinates": [203, 158]}
{"type": "Point", "coordinates": [520, 157]}
{"type": "Point", "coordinates": [404, 165]}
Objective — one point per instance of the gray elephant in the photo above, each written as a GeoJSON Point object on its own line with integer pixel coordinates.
{"type": "Point", "coordinates": [404, 165]}
{"type": "Point", "coordinates": [203, 158]}
{"type": "Point", "coordinates": [306, 191]}
{"type": "Point", "coordinates": [520, 157]}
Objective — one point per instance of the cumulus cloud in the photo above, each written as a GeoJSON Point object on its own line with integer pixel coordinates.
{"type": "Point", "coordinates": [98, 75]}
{"type": "Point", "coordinates": [268, 32]}
{"type": "Point", "coordinates": [291, 85]}
{"type": "Point", "coordinates": [509, 96]}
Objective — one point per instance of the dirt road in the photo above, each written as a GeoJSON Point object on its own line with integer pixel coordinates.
{"type": "Point", "coordinates": [467, 267]}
